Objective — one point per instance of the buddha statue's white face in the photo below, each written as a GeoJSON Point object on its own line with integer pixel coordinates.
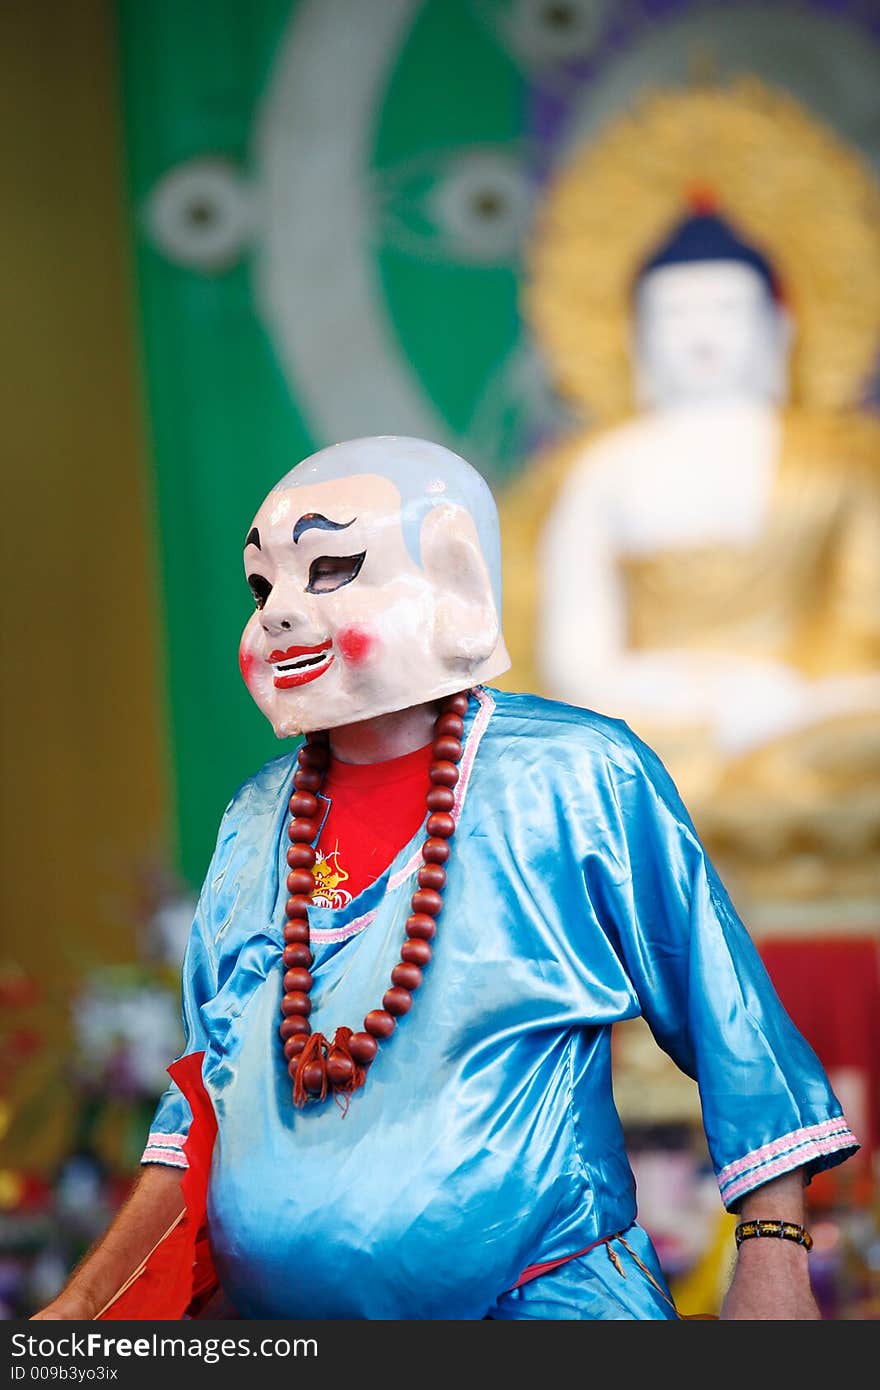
{"type": "Point", "coordinates": [708, 331]}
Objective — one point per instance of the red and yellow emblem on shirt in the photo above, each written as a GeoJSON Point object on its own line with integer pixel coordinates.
{"type": "Point", "coordinates": [329, 874]}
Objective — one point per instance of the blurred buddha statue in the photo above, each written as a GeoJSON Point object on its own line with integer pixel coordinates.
{"type": "Point", "coordinates": [708, 569]}
{"type": "Point", "coordinates": [711, 570]}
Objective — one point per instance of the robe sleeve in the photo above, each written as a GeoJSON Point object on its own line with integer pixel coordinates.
{"type": "Point", "coordinates": [767, 1103]}
{"type": "Point", "coordinates": [173, 1115]}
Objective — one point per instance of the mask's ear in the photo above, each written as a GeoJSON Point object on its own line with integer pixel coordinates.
{"type": "Point", "coordinates": [466, 627]}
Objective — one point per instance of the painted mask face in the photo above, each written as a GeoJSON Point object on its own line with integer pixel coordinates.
{"type": "Point", "coordinates": [371, 586]}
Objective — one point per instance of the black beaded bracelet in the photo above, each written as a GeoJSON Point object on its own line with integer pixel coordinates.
{"type": "Point", "coordinates": [786, 1230]}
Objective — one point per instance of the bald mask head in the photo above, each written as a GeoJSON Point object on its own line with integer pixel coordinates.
{"type": "Point", "coordinates": [375, 570]}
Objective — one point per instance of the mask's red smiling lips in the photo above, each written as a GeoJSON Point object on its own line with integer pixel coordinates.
{"type": "Point", "coordinates": [298, 665]}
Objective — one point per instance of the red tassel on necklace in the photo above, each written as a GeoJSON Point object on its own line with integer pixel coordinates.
{"type": "Point", "coordinates": [310, 1073]}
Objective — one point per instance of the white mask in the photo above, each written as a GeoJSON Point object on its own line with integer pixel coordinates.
{"type": "Point", "coordinates": [350, 622]}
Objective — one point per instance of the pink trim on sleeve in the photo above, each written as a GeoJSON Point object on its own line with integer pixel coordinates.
{"type": "Point", "coordinates": [790, 1151]}
{"type": "Point", "coordinates": [165, 1148]}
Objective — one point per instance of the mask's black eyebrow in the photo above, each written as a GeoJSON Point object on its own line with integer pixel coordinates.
{"type": "Point", "coordinates": [322, 523]}
{"type": "Point", "coordinates": [253, 538]}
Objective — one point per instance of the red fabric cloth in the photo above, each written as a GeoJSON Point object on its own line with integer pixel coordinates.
{"type": "Point", "coordinates": [375, 809]}
{"type": "Point", "coordinates": [178, 1277]}
{"type": "Point", "coordinates": [830, 987]}
{"type": "Point", "coordinates": [545, 1266]}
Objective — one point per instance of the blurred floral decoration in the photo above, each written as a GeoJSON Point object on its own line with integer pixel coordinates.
{"type": "Point", "coordinates": [122, 1027]}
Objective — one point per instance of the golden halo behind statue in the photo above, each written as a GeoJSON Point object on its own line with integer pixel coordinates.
{"type": "Point", "coordinates": [790, 185]}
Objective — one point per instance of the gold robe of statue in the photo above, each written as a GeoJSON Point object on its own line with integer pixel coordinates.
{"type": "Point", "coordinates": [806, 594]}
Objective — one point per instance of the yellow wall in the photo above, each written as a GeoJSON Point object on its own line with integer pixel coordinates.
{"type": "Point", "coordinates": [83, 757]}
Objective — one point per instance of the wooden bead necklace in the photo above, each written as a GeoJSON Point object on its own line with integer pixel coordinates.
{"type": "Point", "coordinates": [318, 1067]}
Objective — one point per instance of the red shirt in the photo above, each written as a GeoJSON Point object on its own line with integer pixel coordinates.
{"type": "Point", "coordinates": [375, 809]}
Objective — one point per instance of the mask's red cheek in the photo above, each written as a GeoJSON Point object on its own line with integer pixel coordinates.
{"type": "Point", "coordinates": [355, 644]}
{"type": "Point", "coordinates": [246, 660]}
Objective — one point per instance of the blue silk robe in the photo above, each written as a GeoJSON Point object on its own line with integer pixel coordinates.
{"type": "Point", "coordinates": [485, 1140]}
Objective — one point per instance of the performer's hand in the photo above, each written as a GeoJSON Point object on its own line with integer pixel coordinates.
{"type": "Point", "coordinates": [772, 1276]}
{"type": "Point", "coordinates": [771, 1282]}
{"type": "Point", "coordinates": [154, 1202]}
{"type": "Point", "coordinates": [69, 1306]}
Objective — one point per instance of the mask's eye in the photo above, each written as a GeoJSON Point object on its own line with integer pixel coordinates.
{"type": "Point", "coordinates": [260, 588]}
{"type": "Point", "coordinates": [331, 572]}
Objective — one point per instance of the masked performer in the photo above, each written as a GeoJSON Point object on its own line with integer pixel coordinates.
{"type": "Point", "coordinates": [416, 934]}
